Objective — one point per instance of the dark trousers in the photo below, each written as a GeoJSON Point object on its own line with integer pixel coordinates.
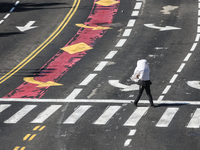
{"type": "Point", "coordinates": [148, 91]}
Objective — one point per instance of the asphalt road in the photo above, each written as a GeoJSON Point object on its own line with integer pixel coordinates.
{"type": "Point", "coordinates": [90, 109]}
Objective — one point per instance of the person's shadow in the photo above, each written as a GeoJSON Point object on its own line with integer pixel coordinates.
{"type": "Point", "coordinates": [170, 105]}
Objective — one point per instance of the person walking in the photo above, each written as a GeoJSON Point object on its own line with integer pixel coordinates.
{"type": "Point", "coordinates": [141, 77]}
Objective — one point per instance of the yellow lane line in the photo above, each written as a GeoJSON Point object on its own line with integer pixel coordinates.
{"type": "Point", "coordinates": [44, 44]}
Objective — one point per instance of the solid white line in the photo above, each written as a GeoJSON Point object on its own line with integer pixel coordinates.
{"type": "Point", "coordinates": [181, 67]}
{"type": "Point", "coordinates": [138, 5]}
{"type": "Point", "coordinates": [197, 38]}
{"type": "Point", "coordinates": [136, 116]}
{"type": "Point", "coordinates": [101, 65]}
{"type": "Point", "coordinates": [20, 114]}
{"type": "Point", "coordinates": [135, 13]}
{"type": "Point", "coordinates": [166, 89]}
{"type": "Point", "coordinates": [127, 32]}
{"type": "Point", "coordinates": [108, 113]}
{"type": "Point", "coordinates": [195, 120]}
{"type": "Point", "coordinates": [76, 114]}
{"type": "Point", "coordinates": [131, 23]}
{"type": "Point", "coordinates": [193, 47]}
{"type": "Point", "coordinates": [187, 57]}
{"type": "Point", "coordinates": [46, 113]}
{"type": "Point", "coordinates": [167, 117]}
{"type": "Point", "coordinates": [173, 78]}
{"type": "Point", "coordinates": [3, 107]}
{"type": "Point", "coordinates": [111, 54]}
{"type": "Point", "coordinates": [7, 16]}
{"type": "Point", "coordinates": [74, 93]}
{"type": "Point", "coordinates": [121, 43]}
{"type": "Point", "coordinates": [12, 9]}
{"type": "Point", "coordinates": [87, 80]}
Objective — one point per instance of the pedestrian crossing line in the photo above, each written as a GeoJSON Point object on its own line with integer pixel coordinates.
{"type": "Point", "coordinates": [195, 120]}
{"type": "Point", "coordinates": [20, 114]}
{"type": "Point", "coordinates": [46, 114]}
{"type": "Point", "coordinates": [77, 114]}
{"type": "Point", "coordinates": [107, 114]}
{"type": "Point", "coordinates": [3, 107]}
{"type": "Point", "coordinates": [136, 116]}
{"type": "Point", "coordinates": [167, 117]}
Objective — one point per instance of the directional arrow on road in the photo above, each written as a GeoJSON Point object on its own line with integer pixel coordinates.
{"type": "Point", "coordinates": [28, 26]}
{"type": "Point", "coordinates": [161, 28]}
{"type": "Point", "coordinates": [123, 87]}
{"type": "Point", "coordinates": [41, 84]}
{"type": "Point", "coordinates": [194, 84]}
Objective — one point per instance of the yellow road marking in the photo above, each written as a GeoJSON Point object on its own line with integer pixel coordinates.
{"type": "Point", "coordinates": [39, 127]}
{"type": "Point", "coordinates": [26, 137]}
{"type": "Point", "coordinates": [44, 44]}
{"type": "Point", "coordinates": [42, 128]}
{"type": "Point", "coordinates": [17, 147]}
{"type": "Point", "coordinates": [41, 84]}
{"type": "Point", "coordinates": [106, 2]}
{"type": "Point", "coordinates": [93, 28]}
{"type": "Point", "coordinates": [32, 137]}
{"type": "Point", "coordinates": [72, 49]}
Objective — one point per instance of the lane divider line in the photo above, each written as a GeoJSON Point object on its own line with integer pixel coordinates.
{"type": "Point", "coordinates": [89, 78]}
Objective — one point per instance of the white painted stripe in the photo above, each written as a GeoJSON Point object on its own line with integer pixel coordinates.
{"type": "Point", "coordinates": [127, 32]}
{"type": "Point", "coordinates": [12, 9]}
{"type": "Point", "coordinates": [6, 16]}
{"type": "Point", "coordinates": [181, 67]}
{"type": "Point", "coordinates": [198, 21]}
{"type": "Point", "coordinates": [193, 47]}
{"type": "Point", "coordinates": [198, 29]}
{"type": "Point", "coordinates": [136, 116]}
{"type": "Point", "coordinates": [173, 78]}
{"type": "Point", "coordinates": [197, 38]}
{"type": "Point", "coordinates": [167, 117]}
{"type": "Point", "coordinates": [127, 142]}
{"type": "Point", "coordinates": [20, 114]}
{"type": "Point", "coordinates": [166, 89]}
{"type": "Point", "coordinates": [46, 114]}
{"type": "Point", "coordinates": [132, 132]}
{"type": "Point", "coordinates": [198, 12]}
{"type": "Point", "coordinates": [111, 54]}
{"type": "Point", "coordinates": [195, 120]}
{"type": "Point", "coordinates": [17, 2]}
{"type": "Point", "coordinates": [131, 23]}
{"type": "Point", "coordinates": [138, 5]}
{"type": "Point", "coordinates": [87, 80]}
{"type": "Point", "coordinates": [1, 21]}
{"type": "Point", "coordinates": [76, 114]}
{"type": "Point", "coordinates": [108, 113]}
{"type": "Point", "coordinates": [160, 98]}
{"type": "Point", "coordinates": [3, 107]}
{"type": "Point", "coordinates": [135, 13]}
{"type": "Point", "coordinates": [74, 93]}
{"type": "Point", "coordinates": [121, 43]}
{"type": "Point", "coordinates": [101, 65]}
{"type": "Point", "coordinates": [187, 57]}
{"type": "Point", "coordinates": [199, 5]}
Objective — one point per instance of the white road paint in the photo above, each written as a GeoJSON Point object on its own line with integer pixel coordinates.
{"type": "Point", "coordinates": [20, 114]}
{"type": "Point", "coordinates": [173, 78]}
{"type": "Point", "coordinates": [181, 67]}
{"type": "Point", "coordinates": [46, 114]}
{"type": "Point", "coordinates": [167, 117]}
{"type": "Point", "coordinates": [136, 116]}
{"type": "Point", "coordinates": [89, 78]}
{"type": "Point", "coordinates": [127, 32]}
{"type": "Point", "coordinates": [193, 47]}
{"type": "Point", "coordinates": [127, 142]}
{"type": "Point", "coordinates": [123, 87]}
{"type": "Point", "coordinates": [121, 43]}
{"type": "Point", "coordinates": [187, 57]}
{"type": "Point", "coordinates": [107, 114]}
{"type": "Point", "coordinates": [12, 9]}
{"type": "Point", "coordinates": [194, 84]}
{"type": "Point", "coordinates": [166, 28]}
{"type": "Point", "coordinates": [4, 107]}
{"type": "Point", "coordinates": [166, 89]}
{"type": "Point", "coordinates": [101, 65]}
{"type": "Point", "coordinates": [195, 120]}
{"type": "Point", "coordinates": [197, 38]}
{"type": "Point", "coordinates": [74, 93]}
{"type": "Point", "coordinates": [167, 9]}
{"type": "Point", "coordinates": [138, 5]}
{"type": "Point", "coordinates": [111, 54]}
{"type": "Point", "coordinates": [6, 16]}
{"type": "Point", "coordinates": [28, 26]}
{"type": "Point", "coordinates": [135, 13]}
{"type": "Point", "coordinates": [77, 114]}
{"type": "Point", "coordinates": [131, 23]}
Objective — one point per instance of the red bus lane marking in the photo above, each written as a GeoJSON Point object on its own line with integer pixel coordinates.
{"type": "Point", "coordinates": [83, 41]}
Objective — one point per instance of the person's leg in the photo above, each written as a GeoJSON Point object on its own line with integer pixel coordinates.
{"type": "Point", "coordinates": [141, 89]}
{"type": "Point", "coordinates": [148, 91]}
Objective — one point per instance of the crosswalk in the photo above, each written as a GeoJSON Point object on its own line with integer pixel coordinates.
{"type": "Point", "coordinates": [106, 115]}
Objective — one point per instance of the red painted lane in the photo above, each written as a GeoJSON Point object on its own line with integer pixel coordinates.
{"type": "Point", "coordinates": [62, 62]}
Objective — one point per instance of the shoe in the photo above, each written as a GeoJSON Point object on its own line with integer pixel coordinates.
{"type": "Point", "coordinates": [153, 106]}
{"type": "Point", "coordinates": [134, 103]}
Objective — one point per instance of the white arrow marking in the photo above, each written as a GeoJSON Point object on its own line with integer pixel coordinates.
{"type": "Point", "coordinates": [123, 87]}
{"type": "Point", "coordinates": [194, 84]}
{"type": "Point", "coordinates": [28, 26]}
{"type": "Point", "coordinates": [161, 28]}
